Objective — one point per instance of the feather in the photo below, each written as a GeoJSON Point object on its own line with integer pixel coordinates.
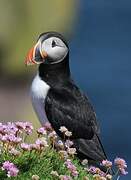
{"type": "Point", "coordinates": [68, 106]}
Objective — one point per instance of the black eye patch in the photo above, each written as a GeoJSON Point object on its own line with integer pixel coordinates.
{"type": "Point", "coordinates": [53, 43]}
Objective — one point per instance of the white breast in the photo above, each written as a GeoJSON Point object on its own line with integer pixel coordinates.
{"type": "Point", "coordinates": [39, 90]}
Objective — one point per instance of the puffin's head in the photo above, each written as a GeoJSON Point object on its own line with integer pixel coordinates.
{"type": "Point", "coordinates": [50, 48]}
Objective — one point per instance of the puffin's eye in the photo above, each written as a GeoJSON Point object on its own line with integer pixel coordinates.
{"type": "Point", "coordinates": [53, 43]}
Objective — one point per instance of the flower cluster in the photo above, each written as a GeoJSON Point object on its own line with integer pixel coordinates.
{"type": "Point", "coordinates": [13, 146]}
{"type": "Point", "coordinates": [71, 167]}
{"type": "Point", "coordinates": [121, 165]}
{"type": "Point", "coordinates": [65, 131]}
{"type": "Point", "coordinates": [11, 169]}
{"type": "Point", "coordinates": [12, 142]}
{"type": "Point", "coordinates": [94, 170]}
{"type": "Point", "coordinates": [106, 163]}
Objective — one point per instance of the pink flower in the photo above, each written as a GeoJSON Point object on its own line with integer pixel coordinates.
{"type": "Point", "coordinates": [68, 143]}
{"type": "Point", "coordinates": [48, 126]}
{"type": "Point", "coordinates": [123, 171]}
{"type": "Point", "coordinates": [42, 142]}
{"type": "Point", "coordinates": [20, 125]}
{"type": "Point", "coordinates": [14, 152]}
{"type": "Point", "coordinates": [11, 138]}
{"type": "Point", "coordinates": [41, 131]}
{"type": "Point", "coordinates": [2, 128]}
{"type": "Point", "coordinates": [25, 147]}
{"type": "Point", "coordinates": [10, 128]}
{"type": "Point", "coordinates": [121, 163]}
{"type": "Point", "coordinates": [13, 172]}
{"type": "Point", "coordinates": [4, 138]}
{"type": "Point", "coordinates": [95, 170]}
{"type": "Point", "coordinates": [71, 167]}
{"type": "Point", "coordinates": [106, 163]}
{"type": "Point", "coordinates": [52, 135]}
{"type": "Point", "coordinates": [34, 147]}
{"type": "Point", "coordinates": [7, 165]}
{"type": "Point", "coordinates": [75, 173]}
{"type": "Point", "coordinates": [11, 169]}
{"type": "Point", "coordinates": [28, 128]}
{"type": "Point", "coordinates": [14, 139]}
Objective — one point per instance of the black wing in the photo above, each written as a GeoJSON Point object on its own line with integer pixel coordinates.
{"type": "Point", "coordinates": [68, 106]}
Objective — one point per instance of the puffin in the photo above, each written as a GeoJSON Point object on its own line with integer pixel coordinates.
{"type": "Point", "coordinates": [58, 100]}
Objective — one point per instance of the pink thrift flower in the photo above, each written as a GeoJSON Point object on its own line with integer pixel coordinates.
{"type": "Point", "coordinates": [10, 128]}
{"type": "Point", "coordinates": [48, 126]}
{"type": "Point", "coordinates": [13, 172]}
{"type": "Point", "coordinates": [95, 170]}
{"type": "Point", "coordinates": [52, 135]}
{"type": "Point", "coordinates": [123, 171]}
{"type": "Point", "coordinates": [71, 167]}
{"type": "Point", "coordinates": [4, 138]}
{"type": "Point", "coordinates": [20, 125]}
{"type": "Point", "coordinates": [14, 152]}
{"type": "Point", "coordinates": [68, 143]}
{"type": "Point", "coordinates": [92, 170]}
{"type": "Point", "coordinates": [28, 128]}
{"type": "Point", "coordinates": [7, 165]}
{"type": "Point", "coordinates": [121, 163]}
{"type": "Point", "coordinates": [106, 163]}
{"type": "Point", "coordinates": [34, 147]}
{"type": "Point", "coordinates": [75, 173]}
{"type": "Point", "coordinates": [12, 138]}
{"type": "Point", "coordinates": [25, 147]}
{"type": "Point", "coordinates": [2, 128]}
{"type": "Point", "coordinates": [41, 131]}
{"type": "Point", "coordinates": [42, 142]}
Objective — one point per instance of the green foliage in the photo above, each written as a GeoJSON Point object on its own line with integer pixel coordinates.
{"type": "Point", "coordinates": [48, 157]}
{"type": "Point", "coordinates": [41, 164]}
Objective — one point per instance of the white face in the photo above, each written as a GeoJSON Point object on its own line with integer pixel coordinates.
{"type": "Point", "coordinates": [55, 49]}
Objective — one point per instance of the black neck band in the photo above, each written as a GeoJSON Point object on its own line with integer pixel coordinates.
{"type": "Point", "coordinates": [55, 74]}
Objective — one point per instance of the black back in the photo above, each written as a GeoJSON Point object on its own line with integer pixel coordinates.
{"type": "Point", "coordinates": [66, 105]}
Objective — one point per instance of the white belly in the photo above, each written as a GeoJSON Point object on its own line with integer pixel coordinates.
{"type": "Point", "coordinates": [39, 90]}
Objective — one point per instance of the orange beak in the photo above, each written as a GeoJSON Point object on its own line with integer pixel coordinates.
{"type": "Point", "coordinates": [35, 56]}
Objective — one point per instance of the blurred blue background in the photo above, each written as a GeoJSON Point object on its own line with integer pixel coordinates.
{"type": "Point", "coordinates": [99, 34]}
{"type": "Point", "coordinates": [101, 64]}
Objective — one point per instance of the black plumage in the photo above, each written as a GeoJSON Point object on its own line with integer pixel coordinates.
{"type": "Point", "coordinates": [66, 105]}
{"type": "Point", "coordinates": [56, 94]}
